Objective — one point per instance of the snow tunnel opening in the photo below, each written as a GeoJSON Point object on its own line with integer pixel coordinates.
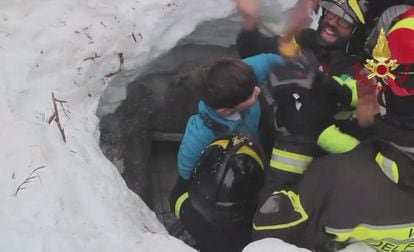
{"type": "Point", "coordinates": [142, 136]}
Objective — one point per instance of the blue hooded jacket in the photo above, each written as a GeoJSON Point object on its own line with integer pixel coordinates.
{"type": "Point", "coordinates": [198, 136]}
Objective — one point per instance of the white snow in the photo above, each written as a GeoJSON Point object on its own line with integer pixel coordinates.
{"type": "Point", "coordinates": [77, 201]}
{"type": "Point", "coordinates": [71, 197]}
{"type": "Point", "coordinates": [269, 245]}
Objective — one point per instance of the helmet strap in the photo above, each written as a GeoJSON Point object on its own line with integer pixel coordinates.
{"type": "Point", "coordinates": [349, 41]}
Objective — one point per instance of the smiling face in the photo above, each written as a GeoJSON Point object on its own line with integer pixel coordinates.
{"type": "Point", "coordinates": [335, 29]}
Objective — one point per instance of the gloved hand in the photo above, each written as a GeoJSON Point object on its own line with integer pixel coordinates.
{"type": "Point", "coordinates": [306, 99]}
{"type": "Point", "coordinates": [301, 113]}
{"type": "Point", "coordinates": [310, 112]}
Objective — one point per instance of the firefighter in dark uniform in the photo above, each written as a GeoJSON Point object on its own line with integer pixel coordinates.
{"type": "Point", "coordinates": [303, 102]}
{"type": "Point", "coordinates": [337, 43]}
{"type": "Point", "coordinates": [366, 194]}
{"type": "Point", "coordinates": [217, 204]}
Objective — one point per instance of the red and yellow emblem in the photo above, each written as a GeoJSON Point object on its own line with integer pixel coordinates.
{"type": "Point", "coordinates": [382, 64]}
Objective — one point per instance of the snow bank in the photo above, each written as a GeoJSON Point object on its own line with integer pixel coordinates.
{"type": "Point", "coordinates": [270, 245]}
{"type": "Point", "coordinates": [58, 196]}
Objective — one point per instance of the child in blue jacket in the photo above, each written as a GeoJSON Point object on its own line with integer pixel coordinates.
{"type": "Point", "coordinates": [229, 89]}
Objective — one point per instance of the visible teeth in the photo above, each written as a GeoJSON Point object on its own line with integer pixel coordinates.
{"type": "Point", "coordinates": [329, 31]}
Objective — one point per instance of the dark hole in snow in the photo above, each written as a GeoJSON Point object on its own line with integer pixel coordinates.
{"type": "Point", "coordinates": [142, 136]}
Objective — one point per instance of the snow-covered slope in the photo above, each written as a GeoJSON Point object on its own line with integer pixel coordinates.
{"type": "Point", "coordinates": [71, 198]}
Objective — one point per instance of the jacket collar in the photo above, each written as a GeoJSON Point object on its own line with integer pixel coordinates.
{"type": "Point", "coordinates": [204, 108]}
{"type": "Point", "coordinates": [390, 133]}
{"type": "Point", "coordinates": [395, 153]}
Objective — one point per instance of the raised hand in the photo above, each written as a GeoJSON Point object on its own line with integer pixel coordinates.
{"type": "Point", "coordinates": [250, 10]}
{"type": "Point", "coordinates": [368, 105]}
{"type": "Point", "coordinates": [299, 18]}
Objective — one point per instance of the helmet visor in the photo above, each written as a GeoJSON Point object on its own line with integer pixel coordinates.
{"type": "Point", "coordinates": [335, 9]}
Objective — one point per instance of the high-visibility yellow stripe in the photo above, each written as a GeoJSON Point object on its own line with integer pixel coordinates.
{"type": "Point", "coordinates": [222, 143]}
{"type": "Point", "coordinates": [357, 10]}
{"type": "Point", "coordinates": [287, 167]}
{"type": "Point", "coordinates": [179, 203]}
{"type": "Point", "coordinates": [297, 206]}
{"type": "Point", "coordinates": [395, 172]}
{"type": "Point", "coordinates": [334, 141]}
{"type": "Point", "coordinates": [251, 153]}
{"type": "Point", "coordinates": [352, 85]}
{"type": "Point", "coordinates": [364, 232]}
{"type": "Point", "coordinates": [289, 161]}
{"type": "Point", "coordinates": [389, 167]}
{"type": "Point", "coordinates": [407, 23]}
{"type": "Point", "coordinates": [291, 155]}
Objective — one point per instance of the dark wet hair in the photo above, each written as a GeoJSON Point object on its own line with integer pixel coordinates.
{"type": "Point", "coordinates": [226, 83]}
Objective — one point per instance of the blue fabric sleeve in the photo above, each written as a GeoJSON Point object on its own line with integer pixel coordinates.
{"type": "Point", "coordinates": [197, 136]}
{"type": "Point", "coordinates": [262, 64]}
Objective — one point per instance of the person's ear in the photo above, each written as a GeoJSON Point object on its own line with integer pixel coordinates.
{"type": "Point", "coordinates": [225, 111]}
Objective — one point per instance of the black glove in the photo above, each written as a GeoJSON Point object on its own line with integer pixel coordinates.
{"type": "Point", "coordinates": [301, 113]}
{"type": "Point", "coordinates": [306, 98]}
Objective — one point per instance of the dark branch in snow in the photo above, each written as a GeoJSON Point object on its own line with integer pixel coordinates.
{"type": "Point", "coordinates": [61, 101]}
{"type": "Point", "coordinates": [63, 108]}
{"type": "Point", "coordinates": [92, 58]}
{"type": "Point", "coordinates": [55, 116]}
{"type": "Point", "coordinates": [40, 179]}
{"type": "Point", "coordinates": [133, 36]}
{"type": "Point", "coordinates": [121, 66]}
{"type": "Point", "coordinates": [28, 179]}
{"type": "Point", "coordinates": [51, 118]}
